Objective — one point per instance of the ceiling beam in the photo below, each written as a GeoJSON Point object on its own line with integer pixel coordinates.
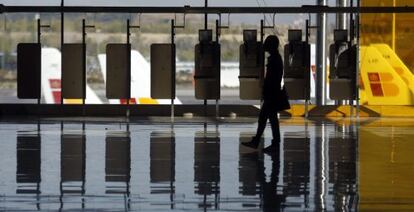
{"type": "Point", "coordinates": [202, 10]}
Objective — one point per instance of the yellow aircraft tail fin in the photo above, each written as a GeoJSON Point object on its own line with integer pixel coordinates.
{"type": "Point", "coordinates": [399, 67]}
{"type": "Point", "coordinates": [380, 82]}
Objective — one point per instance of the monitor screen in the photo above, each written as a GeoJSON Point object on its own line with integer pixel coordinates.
{"type": "Point", "coordinates": [249, 35]}
{"type": "Point", "coordinates": [205, 35]}
{"type": "Point", "coordinates": [295, 35]}
{"type": "Point", "coordinates": [340, 35]}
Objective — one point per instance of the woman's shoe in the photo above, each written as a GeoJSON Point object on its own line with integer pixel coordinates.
{"type": "Point", "coordinates": [254, 143]}
{"type": "Point", "coordinates": [273, 148]}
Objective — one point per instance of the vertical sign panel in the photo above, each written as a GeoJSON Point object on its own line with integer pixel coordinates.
{"type": "Point", "coordinates": [118, 74]}
{"type": "Point", "coordinates": [163, 71]}
{"type": "Point", "coordinates": [207, 71]}
{"type": "Point", "coordinates": [28, 70]}
{"type": "Point", "coordinates": [72, 71]}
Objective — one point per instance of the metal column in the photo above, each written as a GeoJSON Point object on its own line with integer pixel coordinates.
{"type": "Point", "coordinates": [84, 27]}
{"type": "Point", "coordinates": [39, 33]}
{"type": "Point", "coordinates": [129, 71]}
{"type": "Point", "coordinates": [39, 40]}
{"type": "Point", "coordinates": [342, 23]}
{"type": "Point", "coordinates": [205, 27]}
{"type": "Point", "coordinates": [217, 40]}
{"type": "Point", "coordinates": [358, 58]}
{"type": "Point", "coordinates": [341, 18]}
{"type": "Point", "coordinates": [62, 41]}
{"type": "Point", "coordinates": [173, 74]}
{"type": "Point", "coordinates": [321, 57]}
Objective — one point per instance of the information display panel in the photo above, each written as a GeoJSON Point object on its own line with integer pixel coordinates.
{"type": "Point", "coordinates": [73, 65]}
{"type": "Point", "coordinates": [29, 70]}
{"type": "Point", "coordinates": [118, 74]}
{"type": "Point", "coordinates": [163, 71]}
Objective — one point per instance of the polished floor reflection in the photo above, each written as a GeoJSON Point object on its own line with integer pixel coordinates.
{"type": "Point", "coordinates": [332, 165]}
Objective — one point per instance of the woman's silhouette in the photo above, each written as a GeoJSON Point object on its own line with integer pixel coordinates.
{"type": "Point", "coordinates": [270, 92]}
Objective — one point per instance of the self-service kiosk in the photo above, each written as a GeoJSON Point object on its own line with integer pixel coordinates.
{"type": "Point", "coordinates": [207, 67]}
{"type": "Point", "coordinates": [297, 66]}
{"type": "Point", "coordinates": [251, 66]}
{"type": "Point", "coordinates": [342, 71]}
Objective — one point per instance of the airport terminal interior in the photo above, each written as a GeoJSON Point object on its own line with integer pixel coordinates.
{"type": "Point", "coordinates": [146, 106]}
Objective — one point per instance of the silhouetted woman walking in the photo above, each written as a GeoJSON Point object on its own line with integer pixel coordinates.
{"type": "Point", "coordinates": [271, 93]}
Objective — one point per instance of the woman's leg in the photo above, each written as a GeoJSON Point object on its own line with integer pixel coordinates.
{"type": "Point", "coordinates": [263, 116]}
{"type": "Point", "coordinates": [274, 147]}
{"type": "Point", "coordinates": [274, 122]}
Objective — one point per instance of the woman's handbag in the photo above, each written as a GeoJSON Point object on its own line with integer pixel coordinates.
{"type": "Point", "coordinates": [282, 102]}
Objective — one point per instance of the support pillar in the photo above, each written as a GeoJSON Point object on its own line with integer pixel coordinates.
{"type": "Point", "coordinates": [321, 56]}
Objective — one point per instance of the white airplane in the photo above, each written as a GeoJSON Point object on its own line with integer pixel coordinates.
{"type": "Point", "coordinates": [140, 81]}
{"type": "Point", "coordinates": [51, 80]}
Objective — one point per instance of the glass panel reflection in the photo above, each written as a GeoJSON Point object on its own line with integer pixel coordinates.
{"type": "Point", "coordinates": [28, 175]}
{"type": "Point", "coordinates": [207, 167]}
{"type": "Point", "coordinates": [342, 168]}
{"type": "Point", "coordinates": [73, 163]}
{"type": "Point", "coordinates": [117, 162]}
{"type": "Point", "coordinates": [250, 168]}
{"type": "Point", "coordinates": [162, 164]}
{"type": "Point", "coordinates": [296, 166]}
{"type": "Point", "coordinates": [72, 168]}
{"type": "Point", "coordinates": [332, 166]}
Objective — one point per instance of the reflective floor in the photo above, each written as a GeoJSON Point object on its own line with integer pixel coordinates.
{"type": "Point", "coordinates": [332, 165]}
